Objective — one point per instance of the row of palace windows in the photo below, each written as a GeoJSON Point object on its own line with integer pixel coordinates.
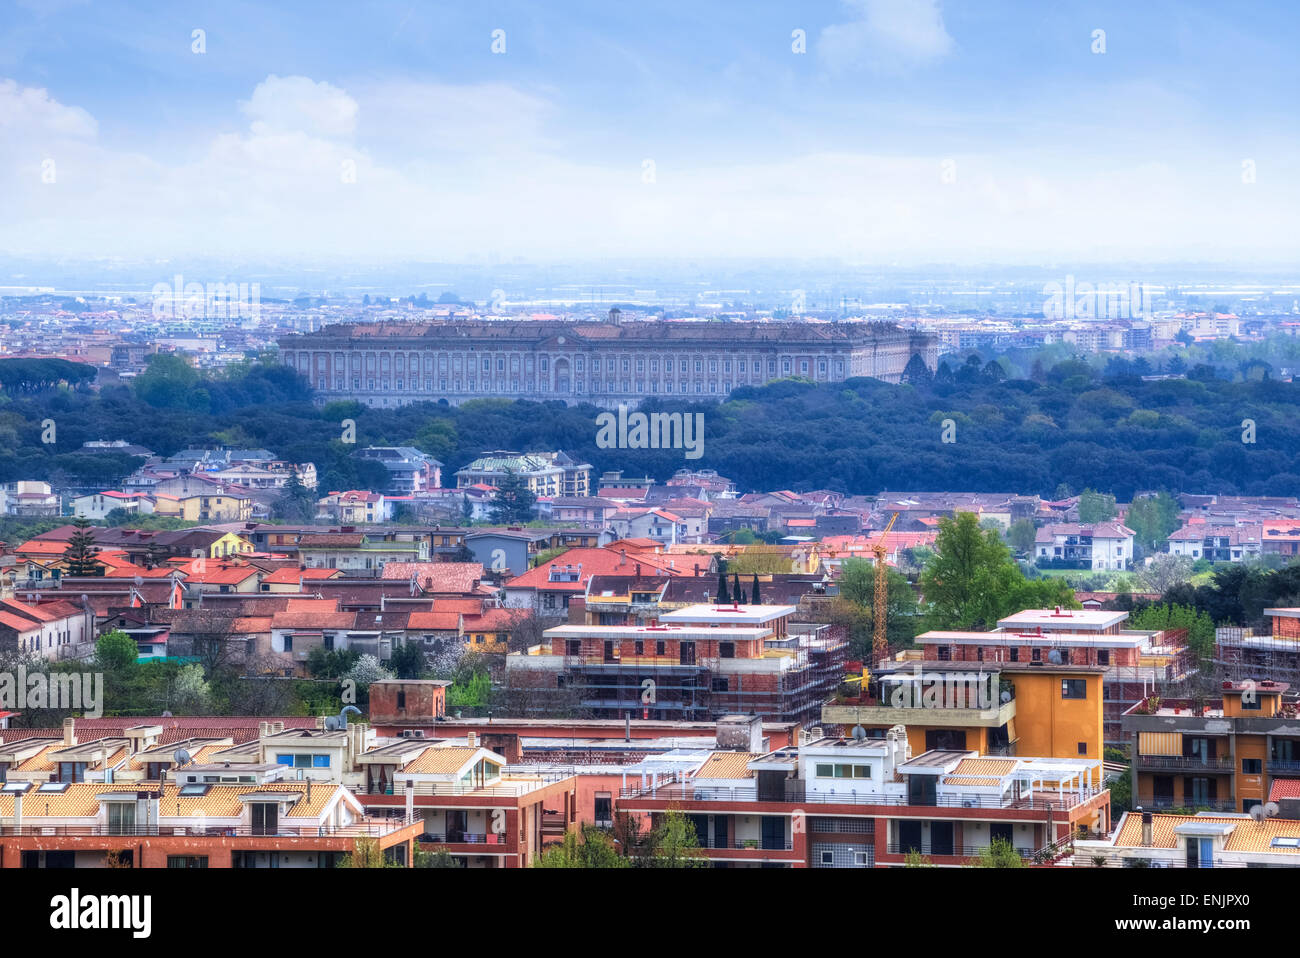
{"type": "Point", "coordinates": [579, 364]}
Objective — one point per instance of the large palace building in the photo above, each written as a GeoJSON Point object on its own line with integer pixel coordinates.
{"type": "Point", "coordinates": [606, 363]}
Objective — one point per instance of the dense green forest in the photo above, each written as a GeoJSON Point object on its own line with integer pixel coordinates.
{"type": "Point", "coordinates": [1072, 423]}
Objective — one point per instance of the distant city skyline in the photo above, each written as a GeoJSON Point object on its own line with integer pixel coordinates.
{"type": "Point", "coordinates": [909, 132]}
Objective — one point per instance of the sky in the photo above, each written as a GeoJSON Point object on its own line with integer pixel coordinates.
{"type": "Point", "coordinates": [883, 132]}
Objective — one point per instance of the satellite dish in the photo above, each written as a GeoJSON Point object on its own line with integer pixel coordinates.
{"type": "Point", "coordinates": [1271, 810]}
{"type": "Point", "coordinates": [181, 757]}
{"type": "Point", "coordinates": [167, 715]}
{"type": "Point", "coordinates": [859, 733]}
{"type": "Point", "coordinates": [1257, 812]}
{"type": "Point", "coordinates": [1006, 696]}
{"type": "Point", "coordinates": [1054, 657]}
{"type": "Point", "coordinates": [138, 580]}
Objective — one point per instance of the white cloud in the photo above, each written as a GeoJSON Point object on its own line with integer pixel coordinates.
{"type": "Point", "coordinates": [31, 112]}
{"type": "Point", "coordinates": [887, 36]}
{"type": "Point", "coordinates": [298, 104]}
{"type": "Point", "coordinates": [457, 173]}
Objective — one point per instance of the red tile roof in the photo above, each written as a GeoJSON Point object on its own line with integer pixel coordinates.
{"type": "Point", "coordinates": [438, 621]}
{"type": "Point", "coordinates": [459, 577]}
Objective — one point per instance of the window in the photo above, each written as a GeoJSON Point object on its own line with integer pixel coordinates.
{"type": "Point", "coordinates": [1250, 701]}
{"type": "Point", "coordinates": [320, 761]}
{"type": "Point", "coordinates": [604, 810]}
{"type": "Point", "coordinates": [1103, 656]}
{"type": "Point", "coordinates": [720, 685]}
{"type": "Point", "coordinates": [288, 643]}
{"type": "Point", "coordinates": [1083, 748]}
{"type": "Point", "coordinates": [121, 818]}
{"type": "Point", "coordinates": [659, 647]}
{"type": "Point", "coordinates": [828, 858]}
{"type": "Point", "coordinates": [1252, 766]}
{"type": "Point", "coordinates": [843, 770]}
{"type": "Point", "coordinates": [860, 858]}
{"type": "Point", "coordinates": [1074, 689]}
{"type": "Point", "coordinates": [187, 861]}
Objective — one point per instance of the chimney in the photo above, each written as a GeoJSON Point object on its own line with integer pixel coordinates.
{"type": "Point", "coordinates": [1148, 829]}
{"type": "Point", "coordinates": [309, 790]}
{"type": "Point", "coordinates": [471, 740]}
{"type": "Point", "coordinates": [69, 732]}
{"type": "Point", "coordinates": [410, 800]}
{"type": "Point", "coordinates": [263, 728]}
{"type": "Point", "coordinates": [18, 813]}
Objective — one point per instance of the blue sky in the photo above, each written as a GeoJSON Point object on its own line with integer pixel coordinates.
{"type": "Point", "coordinates": [909, 131]}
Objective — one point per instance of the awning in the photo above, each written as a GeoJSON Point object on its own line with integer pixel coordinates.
{"type": "Point", "coordinates": [1160, 743]}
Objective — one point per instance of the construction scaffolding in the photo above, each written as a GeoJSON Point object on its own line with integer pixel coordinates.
{"type": "Point", "coordinates": [1249, 654]}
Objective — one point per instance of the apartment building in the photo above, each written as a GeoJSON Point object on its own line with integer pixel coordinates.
{"type": "Point", "coordinates": [1161, 840]}
{"type": "Point", "coordinates": [409, 470]}
{"type": "Point", "coordinates": [1216, 543]}
{"type": "Point", "coordinates": [693, 663]}
{"type": "Point", "coordinates": [278, 824]}
{"type": "Point", "coordinates": [355, 507]}
{"type": "Point", "coordinates": [870, 802]}
{"type": "Point", "coordinates": [1135, 663]}
{"type": "Point", "coordinates": [1000, 709]}
{"type": "Point", "coordinates": [1226, 754]}
{"type": "Point", "coordinates": [1103, 545]}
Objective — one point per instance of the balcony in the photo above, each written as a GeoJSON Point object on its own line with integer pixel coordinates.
{"type": "Point", "coordinates": [1166, 804]}
{"type": "Point", "coordinates": [686, 792]}
{"type": "Point", "coordinates": [873, 712]}
{"type": "Point", "coordinates": [1284, 766]}
{"type": "Point", "coordinates": [1222, 764]}
{"type": "Point", "coordinates": [751, 844]}
{"type": "Point", "coordinates": [374, 827]}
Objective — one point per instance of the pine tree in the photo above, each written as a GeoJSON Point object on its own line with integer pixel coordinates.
{"type": "Point", "coordinates": [723, 596]}
{"type": "Point", "coordinates": [735, 587]}
{"type": "Point", "coordinates": [514, 500]}
{"type": "Point", "coordinates": [79, 559]}
{"type": "Point", "coordinates": [753, 593]}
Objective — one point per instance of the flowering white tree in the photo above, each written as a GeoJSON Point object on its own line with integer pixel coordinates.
{"type": "Point", "coordinates": [368, 671]}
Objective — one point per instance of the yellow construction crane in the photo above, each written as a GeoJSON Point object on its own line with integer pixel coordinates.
{"type": "Point", "coordinates": [879, 642]}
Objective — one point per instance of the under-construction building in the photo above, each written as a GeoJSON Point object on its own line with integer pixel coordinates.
{"type": "Point", "coordinates": [692, 664]}
{"type": "Point", "coordinates": [1139, 663]}
{"type": "Point", "coordinates": [1242, 655]}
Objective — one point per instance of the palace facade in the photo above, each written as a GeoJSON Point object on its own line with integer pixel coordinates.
{"type": "Point", "coordinates": [605, 363]}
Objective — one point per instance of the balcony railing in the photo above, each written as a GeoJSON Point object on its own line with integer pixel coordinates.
{"type": "Point", "coordinates": [1165, 804]}
{"type": "Point", "coordinates": [357, 829]}
{"type": "Point", "coordinates": [1283, 765]}
{"type": "Point", "coordinates": [461, 838]}
{"type": "Point", "coordinates": [690, 793]}
{"type": "Point", "coordinates": [751, 844]}
{"type": "Point", "coordinates": [1219, 763]}
{"type": "Point", "coordinates": [959, 851]}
